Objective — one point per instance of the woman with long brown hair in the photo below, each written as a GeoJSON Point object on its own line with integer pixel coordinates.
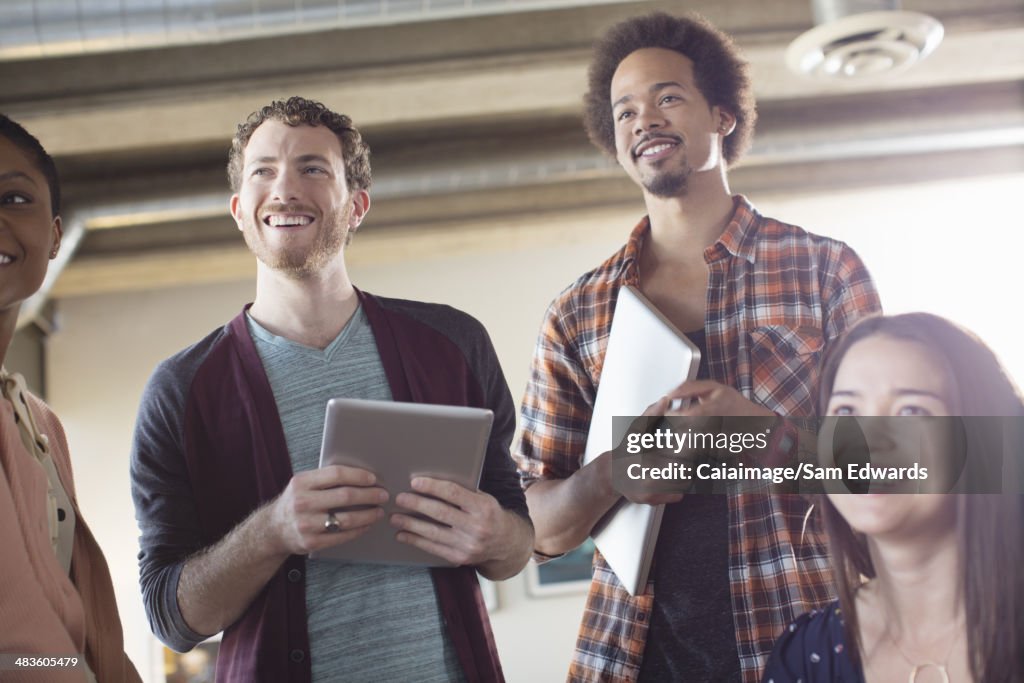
{"type": "Point", "coordinates": [930, 585]}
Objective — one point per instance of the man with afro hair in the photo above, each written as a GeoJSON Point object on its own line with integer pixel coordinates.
{"type": "Point", "coordinates": [670, 98]}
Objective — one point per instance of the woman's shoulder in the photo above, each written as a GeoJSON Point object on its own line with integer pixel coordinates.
{"type": "Point", "coordinates": [813, 649]}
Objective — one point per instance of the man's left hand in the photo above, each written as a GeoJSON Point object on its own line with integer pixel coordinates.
{"type": "Point", "coordinates": [464, 527]}
{"type": "Point", "coordinates": [721, 407]}
{"type": "Point", "coordinates": [714, 399]}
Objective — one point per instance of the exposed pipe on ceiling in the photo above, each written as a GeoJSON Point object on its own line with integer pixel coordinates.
{"type": "Point", "coordinates": [35, 29]}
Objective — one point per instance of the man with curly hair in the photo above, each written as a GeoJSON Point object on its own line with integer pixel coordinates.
{"type": "Point", "coordinates": [671, 100]}
{"type": "Point", "coordinates": [224, 465]}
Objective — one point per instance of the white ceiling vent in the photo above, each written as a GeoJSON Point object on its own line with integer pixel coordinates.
{"type": "Point", "coordinates": [862, 38]}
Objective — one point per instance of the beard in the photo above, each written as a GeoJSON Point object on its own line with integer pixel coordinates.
{"type": "Point", "coordinates": [668, 184]}
{"type": "Point", "coordinates": [667, 178]}
{"type": "Point", "coordinates": [301, 261]}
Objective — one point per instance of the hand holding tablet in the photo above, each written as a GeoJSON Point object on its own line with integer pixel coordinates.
{"type": "Point", "coordinates": [327, 507]}
{"type": "Point", "coordinates": [442, 449]}
{"type": "Point", "coordinates": [452, 522]}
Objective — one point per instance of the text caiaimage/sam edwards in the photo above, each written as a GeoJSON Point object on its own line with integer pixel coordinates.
{"type": "Point", "coordinates": [802, 472]}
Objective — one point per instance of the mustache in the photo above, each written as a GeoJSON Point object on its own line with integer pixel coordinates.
{"type": "Point", "coordinates": [286, 208]}
{"type": "Point", "coordinates": [654, 136]}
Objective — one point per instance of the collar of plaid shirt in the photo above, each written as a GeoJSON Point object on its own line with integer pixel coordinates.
{"type": "Point", "coordinates": [738, 240]}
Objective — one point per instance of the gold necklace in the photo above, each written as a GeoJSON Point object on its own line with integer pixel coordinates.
{"type": "Point", "coordinates": [915, 669]}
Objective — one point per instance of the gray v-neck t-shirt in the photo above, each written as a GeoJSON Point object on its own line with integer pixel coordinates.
{"type": "Point", "coordinates": [366, 622]}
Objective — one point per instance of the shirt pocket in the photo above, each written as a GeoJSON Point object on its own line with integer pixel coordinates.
{"type": "Point", "coordinates": [784, 367]}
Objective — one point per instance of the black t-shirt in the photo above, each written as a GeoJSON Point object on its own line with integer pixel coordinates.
{"type": "Point", "coordinates": [692, 636]}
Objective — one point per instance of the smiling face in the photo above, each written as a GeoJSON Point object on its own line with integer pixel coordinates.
{"type": "Point", "coordinates": [29, 233]}
{"type": "Point", "coordinates": [665, 131]}
{"type": "Point", "coordinates": [888, 377]}
{"type": "Point", "coordinates": [294, 206]}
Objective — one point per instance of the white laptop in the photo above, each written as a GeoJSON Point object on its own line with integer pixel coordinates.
{"type": "Point", "coordinates": [646, 358]}
{"type": "Point", "coordinates": [398, 441]}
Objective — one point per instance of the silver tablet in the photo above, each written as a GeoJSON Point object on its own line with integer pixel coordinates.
{"type": "Point", "coordinates": [399, 441]}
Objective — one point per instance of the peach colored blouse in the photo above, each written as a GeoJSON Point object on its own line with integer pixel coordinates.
{"type": "Point", "coordinates": [43, 609]}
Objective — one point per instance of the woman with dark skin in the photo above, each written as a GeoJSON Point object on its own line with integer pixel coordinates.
{"type": "Point", "coordinates": [58, 615]}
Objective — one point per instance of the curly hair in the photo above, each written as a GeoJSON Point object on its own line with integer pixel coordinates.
{"type": "Point", "coordinates": [721, 73]}
{"type": "Point", "coordinates": [297, 111]}
{"type": "Point", "coordinates": [31, 147]}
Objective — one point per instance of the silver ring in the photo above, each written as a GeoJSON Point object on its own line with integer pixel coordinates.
{"type": "Point", "coordinates": [331, 524]}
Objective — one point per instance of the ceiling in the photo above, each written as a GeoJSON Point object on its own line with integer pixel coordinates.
{"type": "Point", "coordinates": [473, 118]}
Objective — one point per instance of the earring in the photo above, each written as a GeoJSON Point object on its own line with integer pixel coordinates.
{"type": "Point", "coordinates": [53, 254]}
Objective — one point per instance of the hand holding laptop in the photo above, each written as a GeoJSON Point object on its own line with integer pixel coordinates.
{"type": "Point", "coordinates": [723, 407]}
{"type": "Point", "coordinates": [705, 397]}
{"type": "Point", "coordinates": [604, 461]}
{"type": "Point", "coordinates": [693, 399]}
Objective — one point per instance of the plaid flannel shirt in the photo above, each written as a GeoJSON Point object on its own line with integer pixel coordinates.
{"type": "Point", "coordinates": [776, 296]}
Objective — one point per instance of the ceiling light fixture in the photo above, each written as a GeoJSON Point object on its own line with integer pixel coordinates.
{"type": "Point", "coordinates": [862, 38]}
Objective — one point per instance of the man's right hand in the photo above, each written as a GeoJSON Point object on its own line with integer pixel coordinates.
{"type": "Point", "coordinates": [564, 511]}
{"type": "Point", "coordinates": [299, 514]}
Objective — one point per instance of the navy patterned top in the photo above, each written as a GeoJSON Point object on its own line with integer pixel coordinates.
{"type": "Point", "coordinates": [813, 650]}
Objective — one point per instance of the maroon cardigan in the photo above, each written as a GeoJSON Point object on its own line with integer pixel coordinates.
{"type": "Point", "coordinates": [209, 449]}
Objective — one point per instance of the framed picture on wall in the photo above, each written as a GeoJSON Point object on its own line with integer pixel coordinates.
{"type": "Point", "coordinates": [570, 573]}
{"type": "Point", "coordinates": [195, 666]}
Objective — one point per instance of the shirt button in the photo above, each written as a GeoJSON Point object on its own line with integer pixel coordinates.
{"type": "Point", "coordinates": [297, 656]}
{"type": "Point", "coordinates": [294, 575]}
{"type": "Point", "coordinates": [641, 617]}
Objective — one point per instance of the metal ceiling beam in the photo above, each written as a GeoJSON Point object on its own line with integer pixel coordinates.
{"type": "Point", "coordinates": [41, 29]}
{"type": "Point", "coordinates": [457, 92]}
